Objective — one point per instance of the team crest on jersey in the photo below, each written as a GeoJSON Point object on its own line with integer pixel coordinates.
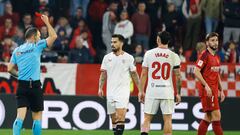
{"type": "Point", "coordinates": [109, 60]}
{"type": "Point", "coordinates": [200, 62]}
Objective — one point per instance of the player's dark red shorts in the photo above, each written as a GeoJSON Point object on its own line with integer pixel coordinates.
{"type": "Point", "coordinates": [210, 103]}
{"type": "Point", "coordinates": [30, 95]}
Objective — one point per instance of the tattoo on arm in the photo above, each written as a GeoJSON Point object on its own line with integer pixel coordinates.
{"type": "Point", "coordinates": [102, 79]}
{"type": "Point", "coordinates": [178, 81]}
{"type": "Point", "coordinates": [136, 79]}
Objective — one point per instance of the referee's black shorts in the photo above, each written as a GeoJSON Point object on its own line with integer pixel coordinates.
{"type": "Point", "coordinates": [30, 95]}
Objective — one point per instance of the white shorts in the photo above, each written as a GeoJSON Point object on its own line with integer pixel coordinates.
{"type": "Point", "coordinates": [151, 106]}
{"type": "Point", "coordinates": [112, 105]}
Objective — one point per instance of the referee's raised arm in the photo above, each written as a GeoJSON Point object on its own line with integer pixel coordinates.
{"type": "Point", "coordinates": [52, 36]}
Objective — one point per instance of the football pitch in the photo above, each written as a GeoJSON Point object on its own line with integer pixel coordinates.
{"type": "Point", "coordinates": [106, 132]}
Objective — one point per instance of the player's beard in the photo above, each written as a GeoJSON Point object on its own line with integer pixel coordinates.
{"type": "Point", "coordinates": [213, 48]}
{"type": "Point", "coordinates": [114, 49]}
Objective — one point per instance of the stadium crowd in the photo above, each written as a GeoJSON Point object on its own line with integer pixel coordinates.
{"type": "Point", "coordinates": [85, 27]}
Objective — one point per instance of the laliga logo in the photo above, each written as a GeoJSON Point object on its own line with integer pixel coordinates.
{"type": "Point", "coordinates": [2, 112]}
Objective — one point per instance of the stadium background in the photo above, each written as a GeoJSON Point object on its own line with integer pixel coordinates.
{"type": "Point", "coordinates": [71, 85]}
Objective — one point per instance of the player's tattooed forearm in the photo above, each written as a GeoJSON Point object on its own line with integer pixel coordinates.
{"type": "Point", "coordinates": [102, 79]}
{"type": "Point", "coordinates": [135, 77]}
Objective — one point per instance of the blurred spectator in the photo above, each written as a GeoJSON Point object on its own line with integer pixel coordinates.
{"type": "Point", "coordinates": [49, 56]}
{"type": "Point", "coordinates": [76, 17]}
{"type": "Point", "coordinates": [38, 21]}
{"type": "Point", "coordinates": [8, 13]}
{"type": "Point", "coordinates": [126, 5]}
{"type": "Point", "coordinates": [8, 47]}
{"type": "Point", "coordinates": [19, 36]}
{"type": "Point", "coordinates": [192, 12]}
{"type": "Point", "coordinates": [125, 28]}
{"type": "Point", "coordinates": [154, 10]}
{"type": "Point", "coordinates": [231, 52]}
{"type": "Point", "coordinates": [7, 30]}
{"type": "Point", "coordinates": [81, 53]}
{"type": "Point", "coordinates": [83, 28]}
{"type": "Point", "coordinates": [44, 32]}
{"type": "Point", "coordinates": [26, 22]}
{"type": "Point", "coordinates": [171, 22]}
{"type": "Point", "coordinates": [138, 54]}
{"type": "Point", "coordinates": [177, 3]}
{"type": "Point", "coordinates": [231, 13]}
{"type": "Point", "coordinates": [1, 7]}
{"type": "Point", "coordinates": [61, 45]}
{"type": "Point", "coordinates": [212, 14]}
{"type": "Point", "coordinates": [181, 55]}
{"type": "Point", "coordinates": [142, 26]}
{"type": "Point", "coordinates": [75, 4]}
{"type": "Point", "coordinates": [109, 23]}
{"type": "Point", "coordinates": [201, 46]}
{"type": "Point", "coordinates": [63, 23]}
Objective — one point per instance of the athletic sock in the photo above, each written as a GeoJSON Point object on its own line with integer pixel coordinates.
{"type": "Point", "coordinates": [37, 127]}
{"type": "Point", "coordinates": [144, 133]}
{"type": "Point", "coordinates": [114, 131]}
{"type": "Point", "coordinates": [217, 128]}
{"type": "Point", "coordinates": [17, 126]}
{"type": "Point", "coordinates": [202, 129]}
{"type": "Point", "coordinates": [119, 129]}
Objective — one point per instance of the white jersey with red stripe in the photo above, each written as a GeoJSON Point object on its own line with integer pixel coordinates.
{"type": "Point", "coordinates": [160, 63]}
{"type": "Point", "coordinates": [118, 70]}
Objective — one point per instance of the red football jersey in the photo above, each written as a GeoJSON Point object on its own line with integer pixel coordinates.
{"type": "Point", "coordinates": [210, 66]}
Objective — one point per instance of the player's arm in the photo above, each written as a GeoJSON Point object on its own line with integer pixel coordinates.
{"type": "Point", "coordinates": [177, 73]}
{"type": "Point", "coordinates": [52, 35]}
{"type": "Point", "coordinates": [102, 79]}
{"type": "Point", "coordinates": [201, 79]}
{"type": "Point", "coordinates": [143, 79]}
{"type": "Point", "coordinates": [136, 79]}
{"type": "Point", "coordinates": [11, 69]}
{"type": "Point", "coordinates": [222, 95]}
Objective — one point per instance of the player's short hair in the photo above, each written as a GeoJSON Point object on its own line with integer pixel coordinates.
{"type": "Point", "coordinates": [30, 32]}
{"type": "Point", "coordinates": [119, 36]}
{"type": "Point", "coordinates": [210, 35]}
{"type": "Point", "coordinates": [164, 36]}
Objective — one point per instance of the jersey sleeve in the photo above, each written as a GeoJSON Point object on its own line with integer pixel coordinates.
{"type": "Point", "coordinates": [103, 65]}
{"type": "Point", "coordinates": [132, 66]}
{"type": "Point", "coordinates": [201, 62]}
{"type": "Point", "coordinates": [145, 60]}
{"type": "Point", "coordinates": [177, 61]}
{"type": "Point", "coordinates": [41, 44]}
{"type": "Point", "coordinates": [13, 59]}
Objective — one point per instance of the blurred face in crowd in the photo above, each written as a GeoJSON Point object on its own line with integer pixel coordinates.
{"type": "Point", "coordinates": [116, 44]}
{"type": "Point", "coordinates": [141, 7]}
{"type": "Point", "coordinates": [81, 24]}
{"type": "Point", "coordinates": [79, 42]}
{"type": "Point", "coordinates": [8, 23]}
{"type": "Point", "coordinates": [84, 35]}
{"type": "Point", "coordinates": [171, 7]}
{"type": "Point", "coordinates": [212, 43]}
{"type": "Point", "coordinates": [8, 8]}
{"type": "Point", "coordinates": [139, 49]}
{"type": "Point", "coordinates": [79, 12]}
{"type": "Point", "coordinates": [113, 6]}
{"type": "Point", "coordinates": [124, 15]}
{"type": "Point", "coordinates": [63, 21]}
{"type": "Point", "coordinates": [27, 19]}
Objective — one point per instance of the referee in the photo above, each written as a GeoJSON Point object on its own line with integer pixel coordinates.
{"type": "Point", "coordinates": [27, 58]}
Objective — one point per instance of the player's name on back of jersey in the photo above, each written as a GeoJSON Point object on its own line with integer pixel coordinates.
{"type": "Point", "coordinates": [161, 55]}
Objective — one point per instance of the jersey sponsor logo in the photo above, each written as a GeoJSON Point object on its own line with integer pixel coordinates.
{"type": "Point", "coordinates": [215, 69]}
{"type": "Point", "coordinates": [27, 51]}
{"type": "Point", "coordinates": [200, 62]}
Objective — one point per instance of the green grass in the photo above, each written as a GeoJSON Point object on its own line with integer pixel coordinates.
{"type": "Point", "coordinates": [106, 132]}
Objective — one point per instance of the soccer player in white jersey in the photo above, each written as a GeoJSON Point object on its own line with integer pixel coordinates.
{"type": "Point", "coordinates": [158, 65]}
{"type": "Point", "coordinates": [117, 67]}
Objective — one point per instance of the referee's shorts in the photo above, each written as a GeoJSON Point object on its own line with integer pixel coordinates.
{"type": "Point", "coordinates": [29, 94]}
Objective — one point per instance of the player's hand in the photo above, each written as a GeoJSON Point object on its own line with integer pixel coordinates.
{"type": "Point", "coordinates": [100, 93]}
{"type": "Point", "coordinates": [222, 96]}
{"type": "Point", "coordinates": [45, 19]}
{"type": "Point", "coordinates": [209, 91]}
{"type": "Point", "coordinates": [178, 99]}
{"type": "Point", "coordinates": [141, 97]}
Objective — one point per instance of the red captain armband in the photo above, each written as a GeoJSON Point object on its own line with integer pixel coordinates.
{"type": "Point", "coordinates": [38, 14]}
